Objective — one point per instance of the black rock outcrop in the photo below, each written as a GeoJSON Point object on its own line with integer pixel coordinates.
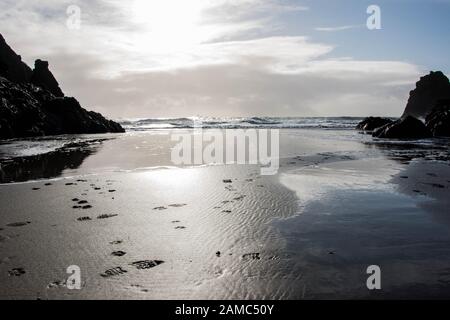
{"type": "Point", "coordinates": [32, 103]}
{"type": "Point", "coordinates": [438, 120]}
{"type": "Point", "coordinates": [11, 65]}
{"type": "Point", "coordinates": [372, 123]}
{"type": "Point", "coordinates": [429, 89]}
{"type": "Point", "coordinates": [42, 77]}
{"type": "Point", "coordinates": [405, 128]}
{"type": "Point", "coordinates": [430, 101]}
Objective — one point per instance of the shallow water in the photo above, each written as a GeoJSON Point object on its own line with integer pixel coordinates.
{"type": "Point", "coordinates": [339, 203]}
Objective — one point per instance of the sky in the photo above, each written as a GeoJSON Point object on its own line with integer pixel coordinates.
{"type": "Point", "coordinates": [232, 58]}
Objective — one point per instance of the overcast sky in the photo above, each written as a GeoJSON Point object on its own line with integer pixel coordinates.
{"type": "Point", "coordinates": [176, 58]}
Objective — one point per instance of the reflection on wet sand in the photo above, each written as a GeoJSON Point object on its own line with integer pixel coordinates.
{"type": "Point", "coordinates": [47, 165]}
{"type": "Point", "coordinates": [386, 206]}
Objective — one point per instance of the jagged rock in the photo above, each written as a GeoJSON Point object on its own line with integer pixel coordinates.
{"type": "Point", "coordinates": [11, 65]}
{"type": "Point", "coordinates": [27, 110]}
{"type": "Point", "coordinates": [372, 123]}
{"type": "Point", "coordinates": [405, 128]}
{"type": "Point", "coordinates": [42, 77]}
{"type": "Point", "coordinates": [68, 116]}
{"type": "Point", "coordinates": [438, 121]}
{"type": "Point", "coordinates": [32, 104]}
{"type": "Point", "coordinates": [429, 89]}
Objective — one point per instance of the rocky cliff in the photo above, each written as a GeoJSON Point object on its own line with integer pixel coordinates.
{"type": "Point", "coordinates": [429, 90]}
{"type": "Point", "coordinates": [429, 101]}
{"type": "Point", "coordinates": [33, 104]}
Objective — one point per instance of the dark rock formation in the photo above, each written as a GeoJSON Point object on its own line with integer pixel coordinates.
{"type": "Point", "coordinates": [32, 104]}
{"type": "Point", "coordinates": [11, 65]}
{"type": "Point", "coordinates": [429, 90]}
{"type": "Point", "coordinates": [67, 115]}
{"type": "Point", "coordinates": [438, 121]}
{"type": "Point", "coordinates": [405, 128]}
{"type": "Point", "coordinates": [42, 77]}
{"type": "Point", "coordinates": [372, 123]}
{"type": "Point", "coordinates": [27, 110]}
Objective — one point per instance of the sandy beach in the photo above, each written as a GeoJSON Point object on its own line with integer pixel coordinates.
{"type": "Point", "coordinates": [139, 227]}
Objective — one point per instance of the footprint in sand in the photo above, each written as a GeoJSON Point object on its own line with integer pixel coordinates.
{"type": "Point", "coordinates": [160, 208]}
{"type": "Point", "coordinates": [82, 207]}
{"type": "Point", "coordinates": [35, 189]}
{"type": "Point", "coordinates": [16, 272]}
{"type": "Point", "coordinates": [146, 264]}
{"type": "Point", "coordinates": [226, 211]}
{"type": "Point", "coordinates": [115, 242]}
{"type": "Point", "coordinates": [84, 219]}
{"type": "Point", "coordinates": [251, 256]}
{"type": "Point", "coordinates": [56, 284]}
{"type": "Point", "coordinates": [107, 216]}
{"type": "Point", "coordinates": [437, 185]}
{"type": "Point", "coordinates": [180, 228]}
{"type": "Point", "coordinates": [177, 205]}
{"type": "Point", "coordinates": [48, 184]}
{"type": "Point", "coordinates": [18, 224]}
{"type": "Point", "coordinates": [111, 191]}
{"type": "Point", "coordinates": [176, 221]}
{"type": "Point", "coordinates": [118, 253]}
{"type": "Point", "coordinates": [116, 271]}
{"type": "Point", "coordinates": [71, 184]}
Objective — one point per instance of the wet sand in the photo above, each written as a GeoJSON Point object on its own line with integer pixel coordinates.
{"type": "Point", "coordinates": [140, 228]}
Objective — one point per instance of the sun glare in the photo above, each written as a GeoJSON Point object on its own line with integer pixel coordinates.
{"type": "Point", "coordinates": [169, 23]}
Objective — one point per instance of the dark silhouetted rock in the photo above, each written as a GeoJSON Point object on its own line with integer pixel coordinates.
{"type": "Point", "coordinates": [32, 104]}
{"type": "Point", "coordinates": [42, 77]}
{"type": "Point", "coordinates": [11, 65]}
{"type": "Point", "coordinates": [405, 128]}
{"type": "Point", "coordinates": [438, 121]}
{"type": "Point", "coordinates": [429, 89]}
{"type": "Point", "coordinates": [68, 116]}
{"type": "Point", "coordinates": [27, 110]}
{"type": "Point", "coordinates": [372, 123]}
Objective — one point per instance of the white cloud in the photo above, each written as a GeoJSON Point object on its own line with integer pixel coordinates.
{"type": "Point", "coordinates": [168, 58]}
{"type": "Point", "coordinates": [338, 28]}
